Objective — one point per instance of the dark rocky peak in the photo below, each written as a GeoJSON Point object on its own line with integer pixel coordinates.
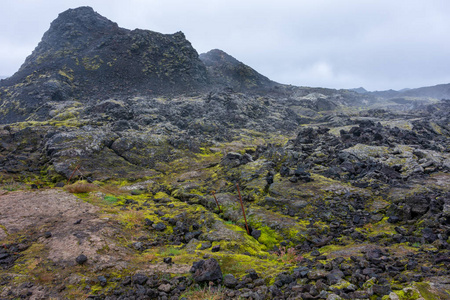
{"type": "Point", "coordinates": [73, 30]}
{"type": "Point", "coordinates": [226, 71]}
{"type": "Point", "coordinates": [87, 57]}
{"type": "Point", "coordinates": [80, 20]}
{"type": "Point", "coordinates": [95, 54]}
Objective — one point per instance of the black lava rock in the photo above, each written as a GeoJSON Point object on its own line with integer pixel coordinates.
{"type": "Point", "coordinates": [159, 226]}
{"type": "Point", "coordinates": [256, 233]}
{"type": "Point", "coordinates": [429, 235]}
{"type": "Point", "coordinates": [229, 281]}
{"type": "Point", "coordinates": [167, 260]}
{"type": "Point", "coordinates": [140, 279]}
{"type": "Point", "coordinates": [252, 274]}
{"type": "Point", "coordinates": [148, 222]}
{"type": "Point", "coordinates": [393, 219]}
{"type": "Point", "coordinates": [81, 259]}
{"type": "Point", "coordinates": [205, 271]}
{"type": "Point", "coordinates": [102, 280]}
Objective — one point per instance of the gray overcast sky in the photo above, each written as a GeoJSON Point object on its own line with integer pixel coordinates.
{"type": "Point", "coordinates": [377, 44]}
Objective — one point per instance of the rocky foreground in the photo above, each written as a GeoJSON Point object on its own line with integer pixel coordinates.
{"type": "Point", "coordinates": [121, 153]}
{"type": "Point", "coordinates": [354, 208]}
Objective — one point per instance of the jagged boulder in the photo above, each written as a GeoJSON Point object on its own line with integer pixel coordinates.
{"type": "Point", "coordinates": [206, 271]}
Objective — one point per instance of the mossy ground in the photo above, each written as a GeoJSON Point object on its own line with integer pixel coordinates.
{"type": "Point", "coordinates": [184, 186]}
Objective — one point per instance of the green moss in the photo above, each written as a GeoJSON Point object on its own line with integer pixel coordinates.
{"type": "Point", "coordinates": [382, 227]}
{"type": "Point", "coordinates": [247, 245]}
{"type": "Point", "coordinates": [342, 284]}
{"type": "Point", "coordinates": [30, 259]}
{"type": "Point", "coordinates": [424, 289]}
{"type": "Point", "coordinates": [436, 128]}
{"type": "Point", "coordinates": [330, 249]}
{"type": "Point", "coordinates": [269, 237]}
{"type": "Point", "coordinates": [170, 251]}
{"type": "Point", "coordinates": [408, 294]}
{"type": "Point", "coordinates": [92, 63]}
{"type": "Point", "coordinates": [67, 73]}
{"type": "Point", "coordinates": [237, 264]}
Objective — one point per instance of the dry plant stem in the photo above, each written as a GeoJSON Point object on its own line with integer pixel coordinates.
{"type": "Point", "coordinates": [73, 173]}
{"type": "Point", "coordinates": [217, 202]}
{"type": "Point", "coordinates": [242, 206]}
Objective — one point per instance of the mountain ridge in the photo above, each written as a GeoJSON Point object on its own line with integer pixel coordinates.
{"type": "Point", "coordinates": [86, 58]}
{"type": "Point", "coordinates": [438, 91]}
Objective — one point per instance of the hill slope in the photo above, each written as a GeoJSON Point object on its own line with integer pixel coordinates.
{"type": "Point", "coordinates": [226, 71]}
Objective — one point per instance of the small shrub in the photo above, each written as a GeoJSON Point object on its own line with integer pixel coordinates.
{"type": "Point", "coordinates": [111, 189]}
{"type": "Point", "coordinates": [45, 277]}
{"type": "Point", "coordinates": [131, 219]}
{"type": "Point", "coordinates": [289, 256]}
{"type": "Point", "coordinates": [79, 188]}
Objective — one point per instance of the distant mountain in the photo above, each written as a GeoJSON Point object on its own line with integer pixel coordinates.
{"type": "Point", "coordinates": [441, 91]}
{"type": "Point", "coordinates": [360, 90]}
{"type": "Point", "coordinates": [226, 71]}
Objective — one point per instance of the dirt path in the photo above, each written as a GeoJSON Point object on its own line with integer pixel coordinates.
{"type": "Point", "coordinates": [74, 225]}
{"type": "Point", "coordinates": [57, 227]}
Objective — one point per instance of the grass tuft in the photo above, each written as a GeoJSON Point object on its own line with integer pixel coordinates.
{"type": "Point", "coordinates": [209, 293]}
{"type": "Point", "coordinates": [131, 219]}
{"type": "Point", "coordinates": [111, 190]}
{"type": "Point", "coordinates": [79, 188]}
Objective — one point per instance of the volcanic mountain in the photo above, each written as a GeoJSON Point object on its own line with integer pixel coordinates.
{"type": "Point", "coordinates": [86, 58]}
{"type": "Point", "coordinates": [85, 55]}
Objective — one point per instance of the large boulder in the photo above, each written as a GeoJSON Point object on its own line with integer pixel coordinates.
{"type": "Point", "coordinates": [206, 271]}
